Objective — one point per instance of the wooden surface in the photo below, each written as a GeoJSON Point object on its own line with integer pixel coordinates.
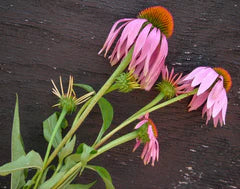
{"type": "Point", "coordinates": [40, 40]}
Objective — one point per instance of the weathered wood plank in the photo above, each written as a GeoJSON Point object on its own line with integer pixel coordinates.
{"type": "Point", "coordinates": [40, 40]}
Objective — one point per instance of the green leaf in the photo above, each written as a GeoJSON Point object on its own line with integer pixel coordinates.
{"type": "Point", "coordinates": [69, 179]}
{"type": "Point", "coordinates": [29, 184]}
{"type": "Point", "coordinates": [67, 149]}
{"type": "Point", "coordinates": [85, 151]}
{"type": "Point", "coordinates": [74, 157]}
{"type": "Point", "coordinates": [52, 181]}
{"type": "Point", "coordinates": [81, 186]}
{"type": "Point", "coordinates": [44, 176]}
{"type": "Point", "coordinates": [17, 178]}
{"type": "Point", "coordinates": [84, 86]}
{"type": "Point", "coordinates": [69, 163]}
{"type": "Point", "coordinates": [107, 115]}
{"type": "Point", "coordinates": [104, 174]}
{"type": "Point", "coordinates": [64, 123]}
{"type": "Point", "coordinates": [31, 160]}
{"type": "Point", "coordinates": [48, 127]}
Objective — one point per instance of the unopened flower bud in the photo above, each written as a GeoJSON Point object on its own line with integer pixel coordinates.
{"type": "Point", "coordinates": [126, 82]}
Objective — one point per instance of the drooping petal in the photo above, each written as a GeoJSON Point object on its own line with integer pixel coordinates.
{"type": "Point", "coordinates": [154, 39]}
{"type": "Point", "coordinates": [199, 77]}
{"type": "Point", "coordinates": [113, 33]}
{"type": "Point", "coordinates": [117, 55]}
{"type": "Point", "coordinates": [136, 28]}
{"type": "Point", "coordinates": [219, 104]}
{"type": "Point", "coordinates": [140, 124]}
{"type": "Point", "coordinates": [138, 142]}
{"type": "Point", "coordinates": [156, 65]}
{"type": "Point", "coordinates": [151, 147]}
{"type": "Point", "coordinates": [224, 110]}
{"type": "Point", "coordinates": [144, 150]}
{"type": "Point", "coordinates": [214, 94]}
{"type": "Point", "coordinates": [130, 33]}
{"type": "Point", "coordinates": [139, 44]}
{"type": "Point", "coordinates": [197, 101]}
{"type": "Point", "coordinates": [209, 114]}
{"type": "Point", "coordinates": [207, 82]}
{"type": "Point", "coordinates": [193, 73]}
{"type": "Point", "coordinates": [114, 36]}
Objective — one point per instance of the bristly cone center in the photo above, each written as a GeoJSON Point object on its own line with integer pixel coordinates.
{"type": "Point", "coordinates": [159, 17]}
{"type": "Point", "coordinates": [226, 76]}
{"type": "Point", "coordinates": [143, 131]}
{"type": "Point", "coordinates": [167, 89]}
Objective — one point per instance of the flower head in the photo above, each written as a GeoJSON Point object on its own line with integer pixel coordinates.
{"type": "Point", "coordinates": [160, 18]}
{"type": "Point", "coordinates": [170, 85]}
{"type": "Point", "coordinates": [213, 86]}
{"type": "Point", "coordinates": [147, 34]}
{"type": "Point", "coordinates": [147, 135]}
{"type": "Point", "coordinates": [68, 100]}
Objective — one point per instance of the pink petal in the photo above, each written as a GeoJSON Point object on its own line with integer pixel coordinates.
{"type": "Point", "coordinates": [156, 65]}
{"type": "Point", "coordinates": [113, 32]}
{"type": "Point", "coordinates": [198, 101]}
{"type": "Point", "coordinates": [139, 44]}
{"type": "Point", "coordinates": [157, 148]}
{"type": "Point", "coordinates": [200, 76]}
{"type": "Point", "coordinates": [215, 121]}
{"type": "Point", "coordinates": [218, 105]}
{"type": "Point", "coordinates": [208, 111]}
{"type": "Point", "coordinates": [214, 94]}
{"type": "Point", "coordinates": [138, 69]}
{"type": "Point", "coordinates": [138, 142]}
{"type": "Point", "coordinates": [140, 124]}
{"type": "Point", "coordinates": [163, 49]}
{"type": "Point", "coordinates": [204, 110]}
{"type": "Point", "coordinates": [207, 82]}
{"type": "Point", "coordinates": [154, 39]}
{"type": "Point", "coordinates": [144, 150]}
{"type": "Point", "coordinates": [224, 110]}
{"type": "Point", "coordinates": [134, 33]}
{"type": "Point", "coordinates": [130, 32]}
{"type": "Point", "coordinates": [146, 116]}
{"type": "Point", "coordinates": [116, 56]}
{"type": "Point", "coordinates": [193, 73]}
{"type": "Point", "coordinates": [145, 49]}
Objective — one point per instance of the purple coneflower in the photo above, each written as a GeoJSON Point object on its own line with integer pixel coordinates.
{"type": "Point", "coordinates": [147, 34]}
{"type": "Point", "coordinates": [147, 135]}
{"type": "Point", "coordinates": [214, 83]}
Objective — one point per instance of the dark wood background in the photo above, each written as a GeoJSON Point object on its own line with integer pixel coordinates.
{"type": "Point", "coordinates": [40, 40]}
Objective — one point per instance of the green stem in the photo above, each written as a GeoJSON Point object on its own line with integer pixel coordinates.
{"type": "Point", "coordinates": [58, 124]}
{"type": "Point", "coordinates": [141, 113]}
{"type": "Point", "coordinates": [67, 175]}
{"type": "Point", "coordinates": [156, 100]}
{"type": "Point", "coordinates": [132, 118]}
{"type": "Point", "coordinates": [81, 111]}
{"type": "Point", "coordinates": [33, 179]}
{"type": "Point", "coordinates": [171, 101]}
{"type": "Point", "coordinates": [114, 143]}
{"type": "Point", "coordinates": [58, 168]}
{"type": "Point", "coordinates": [122, 66]}
{"type": "Point", "coordinates": [110, 145]}
{"type": "Point", "coordinates": [76, 118]}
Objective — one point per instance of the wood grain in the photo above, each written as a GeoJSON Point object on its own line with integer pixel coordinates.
{"type": "Point", "coordinates": [41, 39]}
